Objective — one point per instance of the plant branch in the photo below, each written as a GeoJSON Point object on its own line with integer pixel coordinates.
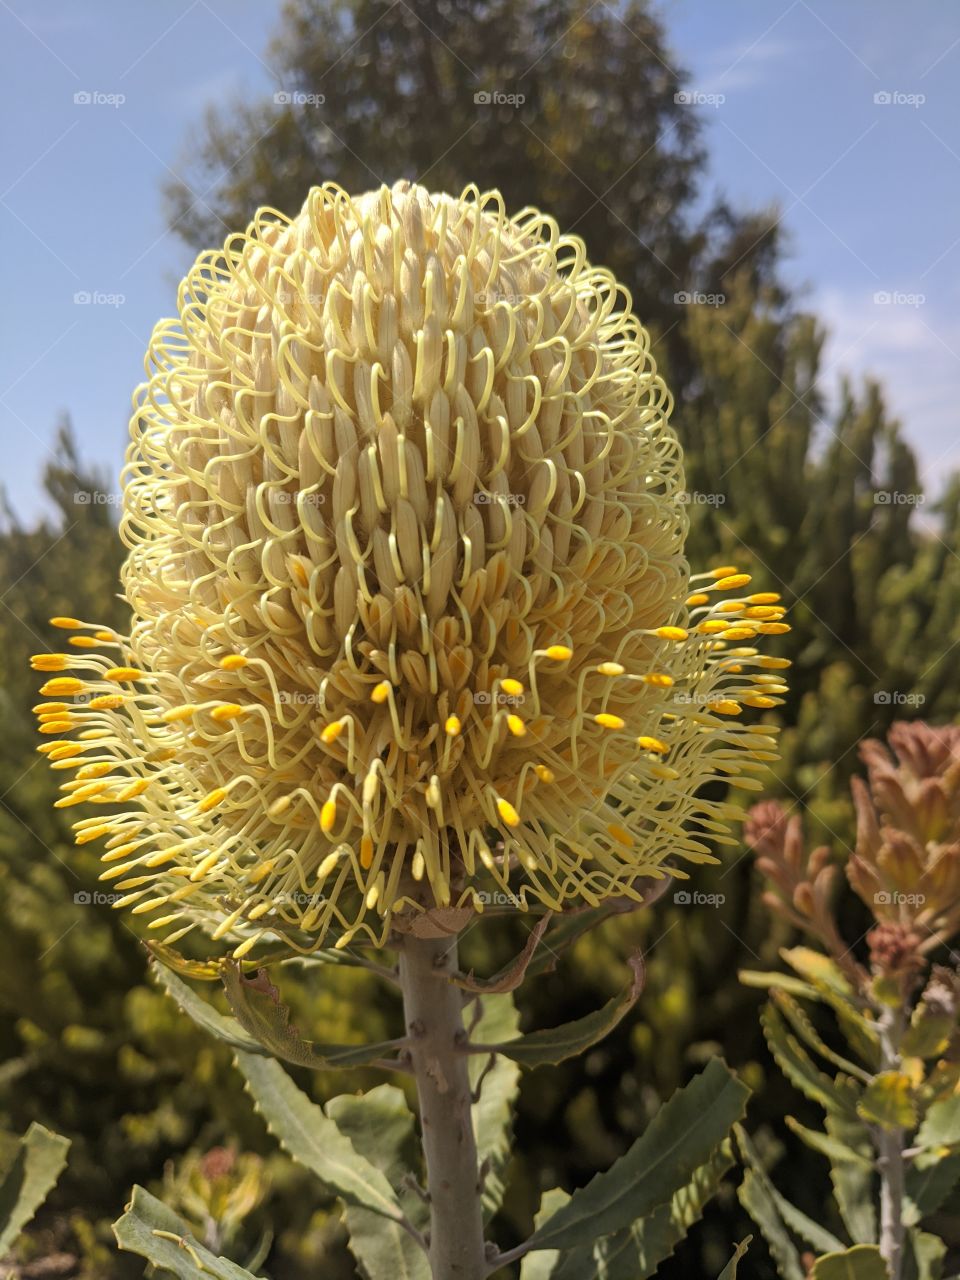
{"type": "Point", "coordinates": [433, 1010]}
{"type": "Point", "coordinates": [890, 1150]}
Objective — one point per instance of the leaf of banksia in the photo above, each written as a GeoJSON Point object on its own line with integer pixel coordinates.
{"type": "Point", "coordinates": [888, 1101]}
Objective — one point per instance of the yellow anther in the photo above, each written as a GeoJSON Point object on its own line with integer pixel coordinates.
{"type": "Point", "coordinates": [92, 833]}
{"type": "Point", "coordinates": [713, 627]}
{"type": "Point", "coordinates": [452, 726]}
{"type": "Point", "coordinates": [84, 642]}
{"type": "Point", "coordinates": [381, 691]}
{"type": "Point", "coordinates": [50, 661]}
{"type": "Point", "coordinates": [205, 865]}
{"type": "Point", "coordinates": [733, 582]}
{"type": "Point", "coordinates": [507, 812]}
{"type": "Point", "coordinates": [260, 871]}
{"type": "Point", "coordinates": [558, 652]}
{"type": "Point", "coordinates": [608, 721]}
{"type": "Point", "coordinates": [764, 611]}
{"type": "Point", "coordinates": [659, 680]}
{"type": "Point", "coordinates": [671, 633]}
{"type": "Point", "coordinates": [724, 571]}
{"type": "Point", "coordinates": [774, 664]}
{"type": "Point", "coordinates": [698, 597]}
{"type": "Point", "coordinates": [119, 674]}
{"type": "Point", "coordinates": [105, 637]}
{"type": "Point", "coordinates": [516, 726]}
{"type": "Point", "coordinates": [66, 624]}
{"type": "Point", "coordinates": [621, 835]}
{"type": "Point", "coordinates": [186, 712]}
{"type": "Point", "coordinates": [331, 732]}
{"type": "Point", "coordinates": [513, 688]}
{"type": "Point", "coordinates": [646, 743]}
{"type": "Point", "coordinates": [62, 685]}
{"type": "Point", "coordinates": [328, 865]}
{"type": "Point", "coordinates": [227, 711]}
{"type": "Point", "coordinates": [57, 726]}
{"type": "Point", "coordinates": [611, 669]}
{"type": "Point", "coordinates": [543, 773]}
{"type": "Point", "coordinates": [725, 707]}
{"type": "Point", "coordinates": [212, 799]}
{"type": "Point", "coordinates": [233, 662]}
{"type": "Point", "coordinates": [51, 708]}
{"type": "Point", "coordinates": [328, 816]}
{"type": "Point", "coordinates": [62, 750]}
{"type": "Point", "coordinates": [97, 770]}
{"type": "Point", "coordinates": [665, 771]}
{"type": "Point", "coordinates": [740, 633]}
{"type": "Point", "coordinates": [763, 597]}
{"type": "Point", "coordinates": [758, 700]}
{"type": "Point", "coordinates": [134, 789]}
{"type": "Point", "coordinates": [765, 629]}
{"type": "Point", "coordinates": [280, 805]}
{"type": "Point", "coordinates": [366, 852]}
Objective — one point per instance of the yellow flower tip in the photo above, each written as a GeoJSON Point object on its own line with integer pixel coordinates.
{"type": "Point", "coordinates": [558, 652]}
{"type": "Point", "coordinates": [92, 833]}
{"type": "Point", "coordinates": [134, 790]}
{"type": "Point", "coordinates": [513, 688]}
{"type": "Point", "coordinates": [366, 852]}
{"type": "Point", "coordinates": [621, 835]}
{"type": "Point", "coordinates": [95, 770]}
{"type": "Point", "coordinates": [84, 642]}
{"type": "Point", "coordinates": [606, 720]}
{"type": "Point", "coordinates": [763, 597]}
{"type": "Point", "coordinates": [50, 661]}
{"type": "Point", "coordinates": [120, 674]}
{"type": "Point", "coordinates": [516, 726]}
{"type": "Point", "coordinates": [730, 606]}
{"type": "Point", "coordinates": [227, 711]}
{"type": "Point", "coordinates": [65, 685]}
{"type": "Point", "coordinates": [452, 726]}
{"type": "Point", "coordinates": [665, 771]}
{"type": "Point", "coordinates": [246, 947]}
{"type": "Point", "coordinates": [646, 743]}
{"type": "Point", "coordinates": [544, 773]}
{"type": "Point", "coordinates": [107, 702]}
{"type": "Point", "coordinates": [769, 629]}
{"type": "Point", "coordinates": [698, 597]}
{"type": "Point", "coordinates": [507, 812]}
{"type": "Point", "coordinates": [327, 865]}
{"type": "Point", "coordinates": [671, 633]}
{"type": "Point", "coordinates": [328, 816]}
{"type": "Point", "coordinates": [186, 712]}
{"type": "Point", "coordinates": [331, 732]}
{"type": "Point", "coordinates": [57, 726]}
{"type": "Point", "coordinates": [658, 679]}
{"type": "Point", "coordinates": [725, 707]}
{"type": "Point", "coordinates": [66, 624]}
{"type": "Point", "coordinates": [732, 582]}
{"type": "Point", "coordinates": [279, 806]}
{"type": "Point", "coordinates": [725, 571]}
{"type": "Point", "coordinates": [775, 664]}
{"type": "Point", "coordinates": [105, 637]}
{"type": "Point", "coordinates": [759, 700]}
{"type": "Point", "coordinates": [713, 627]}
{"type": "Point", "coordinates": [381, 691]}
{"type": "Point", "coordinates": [740, 633]}
{"type": "Point", "coordinates": [212, 799]}
{"type": "Point", "coordinates": [233, 662]}
{"type": "Point", "coordinates": [611, 669]}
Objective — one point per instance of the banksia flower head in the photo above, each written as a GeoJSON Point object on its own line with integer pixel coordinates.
{"type": "Point", "coordinates": [906, 866]}
{"type": "Point", "coordinates": [412, 620]}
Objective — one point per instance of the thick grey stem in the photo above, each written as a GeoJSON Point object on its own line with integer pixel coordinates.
{"type": "Point", "coordinates": [433, 1008]}
{"type": "Point", "coordinates": [890, 1146]}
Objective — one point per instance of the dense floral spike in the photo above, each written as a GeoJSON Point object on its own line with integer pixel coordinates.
{"type": "Point", "coordinates": [406, 565]}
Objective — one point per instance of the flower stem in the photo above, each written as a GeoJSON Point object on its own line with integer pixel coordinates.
{"type": "Point", "coordinates": [890, 1145]}
{"type": "Point", "coordinates": [433, 1009]}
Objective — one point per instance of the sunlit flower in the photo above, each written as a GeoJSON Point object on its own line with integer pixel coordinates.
{"type": "Point", "coordinates": [411, 625]}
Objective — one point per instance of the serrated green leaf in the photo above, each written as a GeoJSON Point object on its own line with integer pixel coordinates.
{"type": "Point", "coordinates": [928, 1034]}
{"type": "Point", "coordinates": [155, 1232]}
{"type": "Point", "coordinates": [539, 1265]}
{"type": "Point", "coordinates": [795, 1220]}
{"type": "Point", "coordinates": [306, 1133]}
{"type": "Point", "coordinates": [203, 1014]}
{"type": "Point", "coordinates": [832, 986]}
{"type": "Point", "coordinates": [754, 1195]}
{"type": "Point", "coordinates": [819, 969]}
{"type": "Point", "coordinates": [941, 1124]}
{"type": "Point", "coordinates": [853, 1183]}
{"type": "Point", "coordinates": [828, 1146]}
{"type": "Point", "coordinates": [492, 1114]}
{"type": "Point", "coordinates": [256, 1003]}
{"type": "Point", "coordinates": [923, 1256]}
{"type": "Point", "coordinates": [929, 1179]}
{"type": "Point", "coordinates": [888, 1101]}
{"type": "Point", "coordinates": [862, 1262]}
{"type": "Point", "coordinates": [679, 1139]}
{"type": "Point", "coordinates": [775, 981]}
{"type": "Point", "coordinates": [556, 1044]}
{"type": "Point", "coordinates": [636, 1253]}
{"type": "Point", "coordinates": [31, 1176]}
{"type": "Point", "coordinates": [799, 1068]}
{"type": "Point", "coordinates": [729, 1272]}
{"type": "Point", "coordinates": [805, 1029]}
{"type": "Point", "coordinates": [381, 1127]}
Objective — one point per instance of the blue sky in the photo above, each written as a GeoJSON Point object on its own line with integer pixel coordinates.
{"type": "Point", "coordinates": [869, 189]}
